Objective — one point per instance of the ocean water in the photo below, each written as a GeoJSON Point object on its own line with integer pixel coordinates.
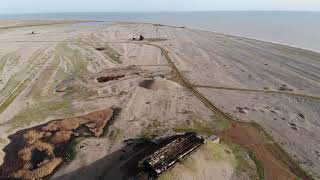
{"type": "Point", "coordinates": [299, 29]}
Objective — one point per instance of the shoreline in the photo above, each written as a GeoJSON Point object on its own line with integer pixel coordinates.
{"type": "Point", "coordinates": [169, 25]}
{"type": "Point", "coordinates": [237, 23]}
{"type": "Point", "coordinates": [233, 60]}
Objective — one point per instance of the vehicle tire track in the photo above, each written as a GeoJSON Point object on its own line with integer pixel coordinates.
{"type": "Point", "coordinates": [274, 160]}
{"type": "Point", "coordinates": [271, 156]}
{"type": "Point", "coordinates": [261, 91]}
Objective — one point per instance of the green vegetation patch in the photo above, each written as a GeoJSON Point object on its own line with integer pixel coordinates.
{"type": "Point", "coordinates": [194, 163]}
{"type": "Point", "coordinates": [198, 127]}
{"type": "Point", "coordinates": [16, 79]}
{"type": "Point", "coordinates": [219, 152]}
{"type": "Point", "coordinates": [12, 96]}
{"type": "Point", "coordinates": [254, 171]}
{"type": "Point", "coordinates": [114, 135]}
{"type": "Point", "coordinates": [201, 126]}
{"type": "Point", "coordinates": [154, 129]}
{"type": "Point", "coordinates": [112, 54]}
{"type": "Point", "coordinates": [155, 39]}
{"type": "Point", "coordinates": [18, 82]}
{"type": "Point", "coordinates": [220, 124]}
{"type": "Point", "coordinates": [74, 56]}
{"type": "Point", "coordinates": [9, 59]}
{"type": "Point", "coordinates": [39, 112]}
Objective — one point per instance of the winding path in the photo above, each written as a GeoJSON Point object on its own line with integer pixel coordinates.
{"type": "Point", "coordinates": [274, 161]}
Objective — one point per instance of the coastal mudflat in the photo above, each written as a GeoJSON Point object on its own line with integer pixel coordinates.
{"type": "Point", "coordinates": [262, 98]}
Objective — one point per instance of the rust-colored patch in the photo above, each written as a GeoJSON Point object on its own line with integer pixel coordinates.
{"type": "Point", "coordinates": [276, 164]}
{"type": "Point", "coordinates": [36, 152]}
{"type": "Point", "coordinates": [41, 172]}
{"type": "Point", "coordinates": [61, 137]}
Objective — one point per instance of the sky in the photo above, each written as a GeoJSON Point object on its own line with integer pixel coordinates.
{"type": "Point", "coordinates": [45, 6]}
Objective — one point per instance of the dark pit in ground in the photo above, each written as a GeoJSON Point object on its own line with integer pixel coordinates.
{"type": "Point", "coordinates": [293, 126]}
{"type": "Point", "coordinates": [100, 49]}
{"type": "Point", "coordinates": [284, 87]}
{"type": "Point", "coordinates": [301, 115]}
{"type": "Point", "coordinates": [146, 83]}
{"type": "Point", "coordinates": [109, 78]}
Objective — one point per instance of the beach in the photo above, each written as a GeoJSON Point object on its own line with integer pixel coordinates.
{"type": "Point", "coordinates": [261, 98]}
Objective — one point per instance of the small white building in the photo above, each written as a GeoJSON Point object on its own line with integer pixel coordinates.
{"type": "Point", "coordinates": [214, 138]}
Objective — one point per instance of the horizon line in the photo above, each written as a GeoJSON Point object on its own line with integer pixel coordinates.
{"type": "Point", "coordinates": [176, 11]}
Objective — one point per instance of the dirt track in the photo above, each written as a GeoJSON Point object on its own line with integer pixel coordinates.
{"type": "Point", "coordinates": [250, 136]}
{"type": "Point", "coordinates": [54, 74]}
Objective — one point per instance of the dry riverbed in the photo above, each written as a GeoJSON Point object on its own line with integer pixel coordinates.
{"type": "Point", "coordinates": [263, 99]}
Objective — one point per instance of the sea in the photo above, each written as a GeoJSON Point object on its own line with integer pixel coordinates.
{"type": "Point", "coordinates": [298, 29]}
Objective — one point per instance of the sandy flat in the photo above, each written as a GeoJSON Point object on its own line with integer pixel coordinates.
{"type": "Point", "coordinates": [53, 74]}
